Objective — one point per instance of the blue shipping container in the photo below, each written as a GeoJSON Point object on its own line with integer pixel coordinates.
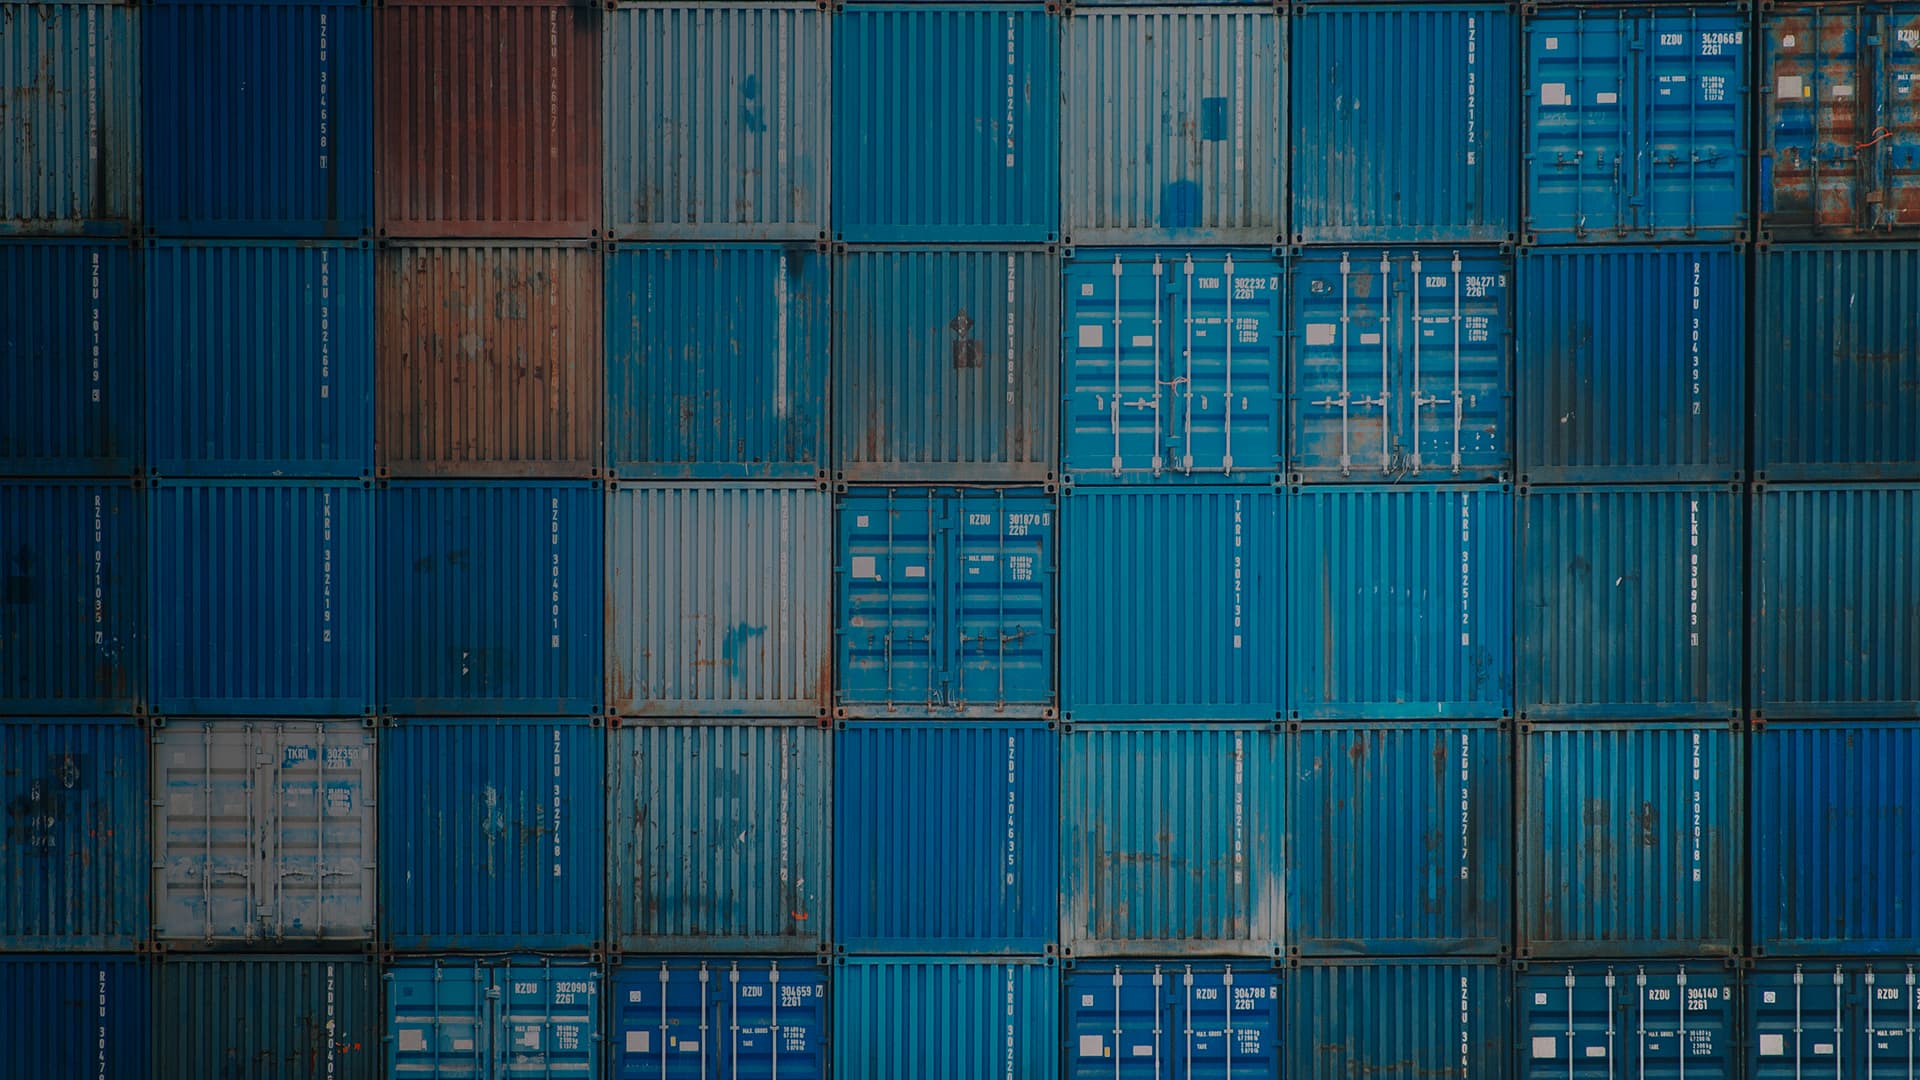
{"type": "Point", "coordinates": [263, 598]}
{"type": "Point", "coordinates": [1827, 1018]}
{"type": "Point", "coordinates": [718, 1019]}
{"type": "Point", "coordinates": [267, 1018]}
{"type": "Point", "coordinates": [1401, 602]}
{"type": "Point", "coordinates": [492, 833]}
{"type": "Point", "coordinates": [1172, 365]}
{"type": "Point", "coordinates": [74, 865]}
{"type": "Point", "coordinates": [259, 119]}
{"type": "Point", "coordinates": [1178, 1021]}
{"type": "Point", "coordinates": [71, 1016]}
{"type": "Point", "coordinates": [1836, 839]}
{"type": "Point", "coordinates": [1402, 364]}
{"type": "Point", "coordinates": [946, 124]}
{"type": "Point", "coordinates": [944, 837]}
{"type": "Point", "coordinates": [946, 1017]}
{"type": "Point", "coordinates": [69, 374]}
{"type": "Point", "coordinates": [1399, 1018]}
{"type": "Point", "coordinates": [1631, 1021]}
{"type": "Point", "coordinates": [502, 1018]}
{"type": "Point", "coordinates": [72, 597]}
{"type": "Point", "coordinates": [739, 391]}
{"type": "Point", "coordinates": [1404, 124]}
{"type": "Point", "coordinates": [259, 358]}
{"type": "Point", "coordinates": [1398, 839]}
{"type": "Point", "coordinates": [1171, 603]}
{"type": "Point", "coordinates": [69, 78]}
{"type": "Point", "coordinates": [491, 597]}
{"type": "Point", "coordinates": [945, 602]}
{"type": "Point", "coordinates": [1637, 124]}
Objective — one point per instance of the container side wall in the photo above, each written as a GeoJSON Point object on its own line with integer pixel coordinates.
{"type": "Point", "coordinates": [69, 83]}
{"type": "Point", "coordinates": [1398, 1018]}
{"type": "Point", "coordinates": [924, 1016]}
{"type": "Point", "coordinates": [279, 1018]}
{"type": "Point", "coordinates": [74, 864]}
{"type": "Point", "coordinates": [70, 379]}
{"type": "Point", "coordinates": [72, 625]}
{"type": "Point", "coordinates": [77, 1015]}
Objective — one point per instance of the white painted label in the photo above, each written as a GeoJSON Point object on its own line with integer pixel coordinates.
{"type": "Point", "coordinates": [1320, 333]}
{"type": "Point", "coordinates": [1821, 1049]}
{"type": "Point", "coordinates": [640, 1042]}
{"type": "Point", "coordinates": [1788, 41]}
{"type": "Point", "coordinates": [1553, 43]}
{"type": "Point", "coordinates": [1792, 86]}
{"type": "Point", "coordinates": [1092, 336]}
{"type": "Point", "coordinates": [1553, 93]}
{"type": "Point", "coordinates": [1596, 1051]}
{"type": "Point", "coordinates": [916, 571]}
{"type": "Point", "coordinates": [1843, 90]}
{"type": "Point", "coordinates": [1143, 341]}
{"type": "Point", "coordinates": [860, 521]}
{"type": "Point", "coordinates": [1606, 97]}
{"type": "Point", "coordinates": [1086, 288]}
{"type": "Point", "coordinates": [1773, 1045]}
{"type": "Point", "coordinates": [461, 1045]}
{"type": "Point", "coordinates": [413, 1040]}
{"type": "Point", "coordinates": [1093, 1046]}
{"type": "Point", "coordinates": [1545, 1046]}
{"type": "Point", "coordinates": [689, 1046]}
{"type": "Point", "coordinates": [1143, 1051]}
{"type": "Point", "coordinates": [1539, 999]}
{"type": "Point", "coordinates": [866, 566]}
{"type": "Point", "coordinates": [1370, 339]}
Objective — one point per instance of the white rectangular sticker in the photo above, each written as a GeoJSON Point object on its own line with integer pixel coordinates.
{"type": "Point", "coordinates": [1143, 341]}
{"type": "Point", "coordinates": [413, 1040]}
{"type": "Point", "coordinates": [1792, 86]}
{"type": "Point", "coordinates": [1370, 339]}
{"type": "Point", "coordinates": [1544, 1047]}
{"type": "Point", "coordinates": [1092, 335]}
{"type": "Point", "coordinates": [916, 571]}
{"type": "Point", "coordinates": [866, 566]}
{"type": "Point", "coordinates": [640, 1042]}
{"type": "Point", "coordinates": [1821, 1049]}
{"type": "Point", "coordinates": [1553, 43]}
{"type": "Point", "coordinates": [1093, 1046]}
{"type": "Point", "coordinates": [1606, 97]}
{"type": "Point", "coordinates": [1843, 90]}
{"type": "Point", "coordinates": [689, 1046]}
{"type": "Point", "coordinates": [1320, 333]}
{"type": "Point", "coordinates": [1596, 1051]}
{"type": "Point", "coordinates": [1773, 1045]}
{"type": "Point", "coordinates": [1553, 93]}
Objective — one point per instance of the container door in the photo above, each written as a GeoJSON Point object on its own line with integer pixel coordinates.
{"type": "Point", "coordinates": [207, 832]}
{"type": "Point", "coordinates": [1795, 1023]}
{"type": "Point", "coordinates": [439, 1022]}
{"type": "Point", "coordinates": [1343, 386]}
{"type": "Point", "coordinates": [1570, 1026]}
{"type": "Point", "coordinates": [1229, 1023]}
{"type": "Point", "coordinates": [775, 1022]}
{"type": "Point", "coordinates": [1115, 412]}
{"type": "Point", "coordinates": [889, 597]}
{"type": "Point", "coordinates": [317, 873]}
{"type": "Point", "coordinates": [1117, 1027]}
{"type": "Point", "coordinates": [1893, 143]}
{"type": "Point", "coordinates": [999, 648]}
{"type": "Point", "coordinates": [1453, 410]}
{"type": "Point", "coordinates": [1694, 86]}
{"type": "Point", "coordinates": [544, 1022]}
{"type": "Point", "coordinates": [1891, 998]}
{"type": "Point", "coordinates": [1582, 172]}
{"type": "Point", "coordinates": [1682, 1024]}
{"type": "Point", "coordinates": [663, 1018]}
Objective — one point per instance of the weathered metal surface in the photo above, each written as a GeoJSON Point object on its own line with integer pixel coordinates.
{"type": "Point", "coordinates": [69, 118]}
{"type": "Point", "coordinates": [267, 1018]}
{"type": "Point", "coordinates": [73, 582]}
{"type": "Point", "coordinates": [70, 377]}
{"type": "Point", "coordinates": [1399, 1018]}
{"type": "Point", "coordinates": [73, 857]}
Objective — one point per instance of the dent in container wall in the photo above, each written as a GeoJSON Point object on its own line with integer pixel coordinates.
{"type": "Point", "coordinates": [69, 377]}
{"type": "Point", "coordinates": [278, 1017]}
{"type": "Point", "coordinates": [525, 1016]}
{"type": "Point", "coordinates": [75, 861]}
{"type": "Point", "coordinates": [1646, 1020]}
{"type": "Point", "coordinates": [945, 1016]}
{"type": "Point", "coordinates": [69, 74]}
{"type": "Point", "coordinates": [1398, 1018]}
{"type": "Point", "coordinates": [73, 634]}
{"type": "Point", "coordinates": [767, 1018]}
{"type": "Point", "coordinates": [77, 1015]}
{"type": "Point", "coordinates": [1831, 1017]}
{"type": "Point", "coordinates": [1202, 1020]}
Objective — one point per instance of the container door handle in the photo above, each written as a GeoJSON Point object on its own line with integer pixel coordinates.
{"type": "Point", "coordinates": [1226, 400]}
{"type": "Point", "coordinates": [1158, 458]}
{"type": "Point", "coordinates": [1459, 399]}
{"type": "Point", "coordinates": [1113, 406]}
{"type": "Point", "coordinates": [1186, 319]}
{"type": "Point", "coordinates": [1419, 400]}
{"type": "Point", "coordinates": [1680, 983]}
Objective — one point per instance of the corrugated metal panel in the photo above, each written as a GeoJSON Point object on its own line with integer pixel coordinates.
{"type": "Point", "coordinates": [69, 75]}
{"type": "Point", "coordinates": [1398, 839]}
{"type": "Point", "coordinates": [717, 122]}
{"type": "Point", "coordinates": [1143, 1019]}
{"type": "Point", "coordinates": [73, 635]}
{"type": "Point", "coordinates": [945, 602]}
{"type": "Point", "coordinates": [1402, 602]}
{"type": "Point", "coordinates": [1200, 401]}
{"type": "Point", "coordinates": [259, 119]}
{"type": "Point", "coordinates": [70, 382]}
{"type": "Point", "coordinates": [1172, 839]}
{"type": "Point", "coordinates": [75, 1016]}
{"type": "Point", "coordinates": [1398, 1018]}
{"type": "Point", "coordinates": [1837, 602]}
{"type": "Point", "coordinates": [740, 391]}
{"type": "Point", "coordinates": [1837, 343]}
{"type": "Point", "coordinates": [489, 360]}
{"type": "Point", "coordinates": [1632, 364]}
{"type": "Point", "coordinates": [1633, 1021]}
{"type": "Point", "coordinates": [284, 1018]}
{"type": "Point", "coordinates": [928, 1016]}
{"type": "Point", "coordinates": [1637, 124]}
{"type": "Point", "coordinates": [492, 833]}
{"type": "Point", "coordinates": [1172, 125]}
{"type": "Point", "coordinates": [944, 837]}
{"type": "Point", "coordinates": [263, 598]}
{"type": "Point", "coordinates": [1629, 602]}
{"type": "Point", "coordinates": [263, 832]}
{"type": "Point", "coordinates": [717, 600]}
{"type": "Point", "coordinates": [1404, 124]}
{"type": "Point", "coordinates": [719, 837]}
{"type": "Point", "coordinates": [1836, 839]}
{"type": "Point", "coordinates": [1840, 154]}
{"type": "Point", "coordinates": [1171, 604]}
{"type": "Point", "coordinates": [491, 598]}
{"type": "Point", "coordinates": [945, 124]}
{"type": "Point", "coordinates": [946, 364]}
{"type": "Point", "coordinates": [519, 1017]}
{"type": "Point", "coordinates": [260, 358]}
{"type": "Point", "coordinates": [489, 120]}
{"type": "Point", "coordinates": [1831, 1019]}
{"type": "Point", "coordinates": [724, 1018]}
{"type": "Point", "coordinates": [75, 860]}
{"type": "Point", "coordinates": [1402, 364]}
{"type": "Point", "coordinates": [1629, 839]}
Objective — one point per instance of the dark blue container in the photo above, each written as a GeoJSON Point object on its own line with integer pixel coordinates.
{"type": "Point", "coordinates": [267, 1017]}
{"type": "Point", "coordinates": [1635, 1020]}
{"type": "Point", "coordinates": [69, 375]}
{"type": "Point", "coordinates": [1399, 1018]}
{"type": "Point", "coordinates": [727, 1018]}
{"type": "Point", "coordinates": [74, 864]}
{"type": "Point", "coordinates": [1832, 1018]}
{"type": "Point", "coordinates": [1189, 1021]}
{"type": "Point", "coordinates": [258, 119]}
{"type": "Point", "coordinates": [76, 1016]}
{"type": "Point", "coordinates": [526, 1017]}
{"type": "Point", "coordinates": [72, 597]}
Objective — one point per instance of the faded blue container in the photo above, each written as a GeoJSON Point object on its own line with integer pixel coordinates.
{"type": "Point", "coordinates": [1173, 366]}
{"type": "Point", "coordinates": [1172, 125]}
{"type": "Point", "coordinates": [1831, 1018]}
{"type": "Point", "coordinates": [259, 119]}
{"type": "Point", "coordinates": [70, 381]}
{"type": "Point", "coordinates": [1398, 839]}
{"type": "Point", "coordinates": [73, 869]}
{"type": "Point", "coordinates": [259, 358]}
{"type": "Point", "coordinates": [1631, 364]}
{"type": "Point", "coordinates": [1404, 126]}
{"type": "Point", "coordinates": [491, 597]}
{"type": "Point", "coordinates": [77, 1016]}
{"type": "Point", "coordinates": [1401, 364]}
{"type": "Point", "coordinates": [1836, 839]}
{"type": "Point", "coordinates": [741, 390]}
{"type": "Point", "coordinates": [525, 1017]}
{"type": "Point", "coordinates": [1836, 345]}
{"type": "Point", "coordinates": [1171, 603]}
{"type": "Point", "coordinates": [1398, 1018]}
{"type": "Point", "coordinates": [1836, 607]}
{"type": "Point", "coordinates": [946, 124]}
{"type": "Point", "coordinates": [1630, 840]}
{"type": "Point", "coordinates": [945, 1016]}
{"type": "Point", "coordinates": [1629, 602]}
{"type": "Point", "coordinates": [1637, 124]}
{"type": "Point", "coordinates": [491, 833]}
{"type": "Point", "coordinates": [1184, 1021]}
{"type": "Point", "coordinates": [945, 837]}
{"type": "Point", "coordinates": [267, 1018]}
{"type": "Point", "coordinates": [73, 581]}
{"type": "Point", "coordinates": [1636, 1020]}
{"type": "Point", "coordinates": [70, 77]}
{"type": "Point", "coordinates": [730, 1018]}
{"type": "Point", "coordinates": [1401, 602]}
{"type": "Point", "coordinates": [1172, 840]}
{"type": "Point", "coordinates": [262, 598]}
{"type": "Point", "coordinates": [945, 602]}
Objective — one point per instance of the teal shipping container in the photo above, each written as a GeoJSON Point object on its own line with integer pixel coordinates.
{"type": "Point", "coordinates": [69, 104]}
{"type": "Point", "coordinates": [945, 1016]}
{"type": "Point", "coordinates": [517, 1017]}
